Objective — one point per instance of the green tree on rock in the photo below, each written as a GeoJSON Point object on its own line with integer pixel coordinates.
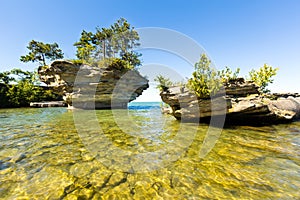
{"type": "Point", "coordinates": [205, 81]}
{"type": "Point", "coordinates": [132, 58]}
{"type": "Point", "coordinates": [41, 52]}
{"type": "Point", "coordinates": [227, 74]}
{"type": "Point", "coordinates": [85, 46]}
{"type": "Point", "coordinates": [103, 43]}
{"type": "Point", "coordinates": [125, 37]}
{"type": "Point", "coordinates": [263, 76]}
{"type": "Point", "coordinates": [117, 41]}
{"type": "Point", "coordinates": [163, 83]}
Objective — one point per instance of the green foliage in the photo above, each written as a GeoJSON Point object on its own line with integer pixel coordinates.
{"type": "Point", "coordinates": [116, 41]}
{"type": "Point", "coordinates": [205, 81]}
{"type": "Point", "coordinates": [103, 43]}
{"type": "Point", "coordinates": [115, 63]}
{"type": "Point", "coordinates": [40, 52]}
{"type": "Point", "coordinates": [124, 37]}
{"type": "Point", "coordinates": [84, 46]}
{"type": "Point", "coordinates": [227, 74]}
{"type": "Point", "coordinates": [5, 78]}
{"type": "Point", "coordinates": [163, 83]}
{"type": "Point", "coordinates": [31, 77]}
{"type": "Point", "coordinates": [18, 88]}
{"type": "Point", "coordinates": [22, 93]}
{"type": "Point", "coordinates": [263, 76]}
{"type": "Point", "coordinates": [4, 101]}
{"type": "Point", "coordinates": [78, 61]}
{"type": "Point", "coordinates": [132, 58]}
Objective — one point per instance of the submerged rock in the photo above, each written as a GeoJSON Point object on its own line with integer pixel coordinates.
{"type": "Point", "coordinates": [239, 100]}
{"type": "Point", "coordinates": [103, 85]}
{"type": "Point", "coordinates": [4, 165]}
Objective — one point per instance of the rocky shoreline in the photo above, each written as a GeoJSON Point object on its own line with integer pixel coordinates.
{"type": "Point", "coordinates": [240, 101]}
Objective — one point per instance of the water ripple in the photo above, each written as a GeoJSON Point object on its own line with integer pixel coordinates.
{"type": "Point", "coordinates": [42, 156]}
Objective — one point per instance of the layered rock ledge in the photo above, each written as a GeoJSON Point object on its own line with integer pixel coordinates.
{"type": "Point", "coordinates": [100, 86]}
{"type": "Point", "coordinates": [239, 100]}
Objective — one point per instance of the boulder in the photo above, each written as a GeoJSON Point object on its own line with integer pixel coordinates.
{"type": "Point", "coordinates": [100, 86]}
{"type": "Point", "coordinates": [239, 100]}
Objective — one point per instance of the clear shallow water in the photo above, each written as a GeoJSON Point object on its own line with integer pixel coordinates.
{"type": "Point", "coordinates": [43, 155]}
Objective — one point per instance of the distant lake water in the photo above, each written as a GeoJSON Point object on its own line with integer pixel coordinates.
{"type": "Point", "coordinates": [144, 105]}
{"type": "Point", "coordinates": [55, 153]}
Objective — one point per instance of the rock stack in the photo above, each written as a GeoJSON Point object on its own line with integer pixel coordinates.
{"type": "Point", "coordinates": [98, 86]}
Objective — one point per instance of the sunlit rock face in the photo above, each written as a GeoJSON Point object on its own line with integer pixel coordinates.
{"type": "Point", "coordinates": [239, 100]}
{"type": "Point", "coordinates": [100, 86]}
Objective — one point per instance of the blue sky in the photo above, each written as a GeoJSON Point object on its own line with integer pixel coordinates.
{"type": "Point", "coordinates": [235, 33]}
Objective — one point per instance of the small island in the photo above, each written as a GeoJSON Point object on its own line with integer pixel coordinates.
{"type": "Point", "coordinates": [210, 93]}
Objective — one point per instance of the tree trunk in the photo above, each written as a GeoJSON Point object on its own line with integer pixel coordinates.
{"type": "Point", "coordinates": [43, 60]}
{"type": "Point", "coordinates": [104, 49]}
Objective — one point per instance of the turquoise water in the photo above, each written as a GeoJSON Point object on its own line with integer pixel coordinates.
{"type": "Point", "coordinates": [144, 105]}
{"type": "Point", "coordinates": [54, 153]}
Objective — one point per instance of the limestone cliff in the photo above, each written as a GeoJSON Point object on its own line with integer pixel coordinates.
{"type": "Point", "coordinates": [99, 86]}
{"type": "Point", "coordinates": [240, 101]}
